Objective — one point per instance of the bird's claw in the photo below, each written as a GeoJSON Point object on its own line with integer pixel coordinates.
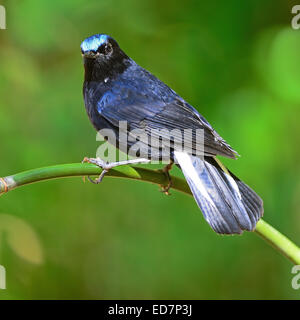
{"type": "Point", "coordinates": [101, 164]}
{"type": "Point", "coordinates": [106, 166]}
{"type": "Point", "coordinates": [166, 169]}
{"type": "Point", "coordinates": [166, 189]}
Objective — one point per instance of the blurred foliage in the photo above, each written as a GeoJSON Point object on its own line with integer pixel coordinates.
{"type": "Point", "coordinates": [236, 61]}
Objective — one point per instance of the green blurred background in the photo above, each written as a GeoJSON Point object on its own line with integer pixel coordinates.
{"type": "Point", "coordinates": [237, 62]}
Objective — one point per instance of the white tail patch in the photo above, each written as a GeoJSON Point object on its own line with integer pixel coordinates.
{"type": "Point", "coordinates": [188, 169]}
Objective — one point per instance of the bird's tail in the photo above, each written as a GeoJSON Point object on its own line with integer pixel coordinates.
{"type": "Point", "coordinates": [228, 204]}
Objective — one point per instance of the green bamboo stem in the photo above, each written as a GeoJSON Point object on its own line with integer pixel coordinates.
{"type": "Point", "coordinates": [278, 241]}
{"type": "Point", "coordinates": [267, 232]}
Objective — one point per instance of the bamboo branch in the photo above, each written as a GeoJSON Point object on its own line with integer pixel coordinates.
{"type": "Point", "coordinates": [267, 232]}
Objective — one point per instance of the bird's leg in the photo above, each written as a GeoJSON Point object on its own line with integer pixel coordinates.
{"type": "Point", "coordinates": [166, 169]}
{"type": "Point", "coordinates": [105, 166]}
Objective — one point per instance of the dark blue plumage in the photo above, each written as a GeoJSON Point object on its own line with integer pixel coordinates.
{"type": "Point", "coordinates": [117, 89]}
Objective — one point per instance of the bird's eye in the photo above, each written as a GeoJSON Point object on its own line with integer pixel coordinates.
{"type": "Point", "coordinates": [105, 49]}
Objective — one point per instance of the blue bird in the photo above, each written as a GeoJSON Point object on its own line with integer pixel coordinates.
{"type": "Point", "coordinates": [117, 89]}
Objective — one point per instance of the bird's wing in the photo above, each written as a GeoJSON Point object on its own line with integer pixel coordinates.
{"type": "Point", "coordinates": [147, 112]}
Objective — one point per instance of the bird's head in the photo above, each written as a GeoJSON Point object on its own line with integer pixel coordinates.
{"type": "Point", "coordinates": [102, 57]}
